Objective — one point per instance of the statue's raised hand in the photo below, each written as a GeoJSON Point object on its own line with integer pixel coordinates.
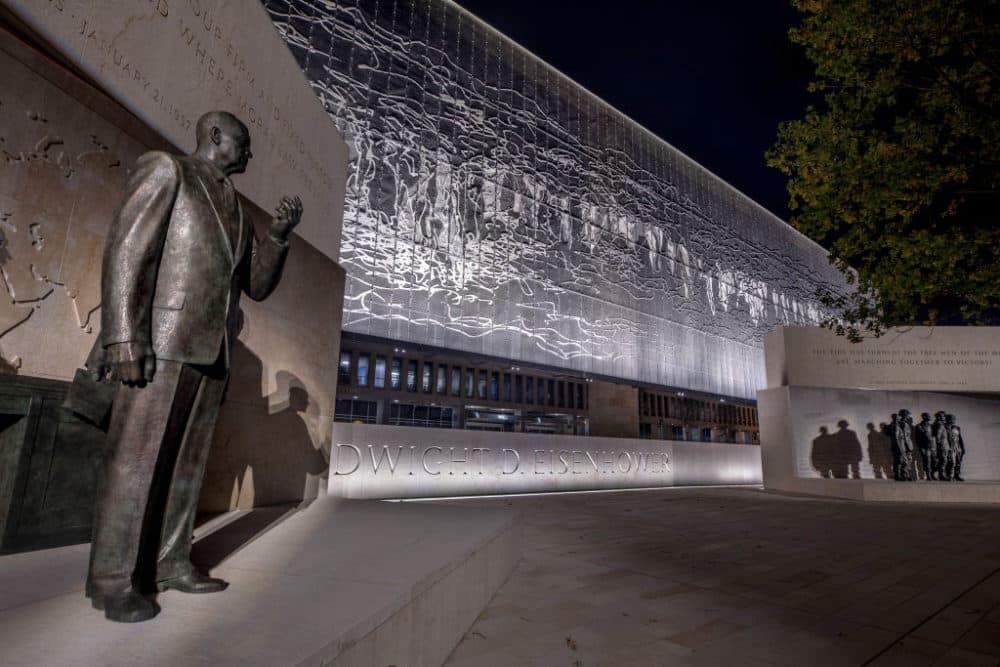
{"type": "Point", "coordinates": [287, 216]}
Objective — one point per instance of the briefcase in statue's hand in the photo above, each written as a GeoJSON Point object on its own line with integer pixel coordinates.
{"type": "Point", "coordinates": [90, 395]}
{"type": "Point", "coordinates": [90, 398]}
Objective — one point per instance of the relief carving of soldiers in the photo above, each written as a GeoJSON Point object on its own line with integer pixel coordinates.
{"type": "Point", "coordinates": [909, 461]}
{"type": "Point", "coordinates": [939, 443]}
{"type": "Point", "coordinates": [956, 448]}
{"type": "Point", "coordinates": [902, 446]}
{"type": "Point", "coordinates": [941, 446]}
{"type": "Point", "coordinates": [924, 436]}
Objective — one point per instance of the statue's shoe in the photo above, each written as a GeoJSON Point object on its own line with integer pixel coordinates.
{"type": "Point", "coordinates": [193, 582]}
{"type": "Point", "coordinates": [128, 607]}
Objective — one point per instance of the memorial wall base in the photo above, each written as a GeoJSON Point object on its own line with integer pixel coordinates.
{"type": "Point", "coordinates": [834, 442]}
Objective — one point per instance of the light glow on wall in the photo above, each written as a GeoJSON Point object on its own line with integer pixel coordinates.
{"type": "Point", "coordinates": [496, 207]}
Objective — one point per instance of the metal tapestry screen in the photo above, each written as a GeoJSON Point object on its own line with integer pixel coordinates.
{"type": "Point", "coordinates": [496, 207]}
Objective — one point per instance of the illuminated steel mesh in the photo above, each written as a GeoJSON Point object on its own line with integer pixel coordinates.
{"type": "Point", "coordinates": [494, 206]}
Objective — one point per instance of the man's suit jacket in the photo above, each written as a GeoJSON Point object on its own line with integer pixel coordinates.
{"type": "Point", "coordinates": [176, 258]}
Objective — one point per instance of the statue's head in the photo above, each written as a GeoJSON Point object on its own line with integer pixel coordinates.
{"type": "Point", "coordinates": [925, 417]}
{"type": "Point", "coordinates": [224, 141]}
{"type": "Point", "coordinates": [951, 419]}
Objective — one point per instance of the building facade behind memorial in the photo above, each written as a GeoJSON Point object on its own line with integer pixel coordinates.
{"type": "Point", "coordinates": [497, 209]}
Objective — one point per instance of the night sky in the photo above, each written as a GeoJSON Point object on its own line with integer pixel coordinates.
{"type": "Point", "coordinates": [711, 78]}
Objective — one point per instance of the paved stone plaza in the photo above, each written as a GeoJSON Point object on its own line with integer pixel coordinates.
{"type": "Point", "coordinates": [742, 577]}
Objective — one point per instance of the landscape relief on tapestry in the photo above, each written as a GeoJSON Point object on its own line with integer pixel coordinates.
{"type": "Point", "coordinates": [62, 170]}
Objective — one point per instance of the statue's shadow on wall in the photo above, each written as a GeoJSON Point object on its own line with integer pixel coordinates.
{"type": "Point", "coordinates": [879, 451]}
{"type": "Point", "coordinates": [837, 455]}
{"type": "Point", "coordinates": [263, 458]}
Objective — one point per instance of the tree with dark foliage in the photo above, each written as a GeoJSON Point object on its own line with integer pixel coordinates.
{"type": "Point", "coordinates": [896, 170]}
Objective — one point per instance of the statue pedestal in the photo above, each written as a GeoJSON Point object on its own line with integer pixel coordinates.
{"type": "Point", "coordinates": [889, 491]}
{"type": "Point", "coordinates": [49, 465]}
{"type": "Point", "coordinates": [339, 583]}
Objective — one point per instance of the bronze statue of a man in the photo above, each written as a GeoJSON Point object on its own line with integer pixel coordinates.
{"type": "Point", "coordinates": [176, 258]}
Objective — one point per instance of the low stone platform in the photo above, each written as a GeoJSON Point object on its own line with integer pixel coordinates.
{"type": "Point", "coordinates": [890, 491]}
{"type": "Point", "coordinates": [339, 583]}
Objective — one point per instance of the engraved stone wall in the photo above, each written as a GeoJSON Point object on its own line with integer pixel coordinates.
{"type": "Point", "coordinates": [62, 171]}
{"type": "Point", "coordinates": [494, 206]}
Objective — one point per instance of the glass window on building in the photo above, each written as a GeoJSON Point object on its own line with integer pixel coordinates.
{"type": "Point", "coordinates": [355, 412]}
{"type": "Point", "coordinates": [419, 415]}
{"type": "Point", "coordinates": [396, 373]}
{"type": "Point", "coordinates": [562, 394]}
{"type": "Point", "coordinates": [550, 396]}
{"type": "Point", "coordinates": [506, 387]}
{"type": "Point", "coordinates": [489, 419]}
{"type": "Point", "coordinates": [529, 389]}
{"type": "Point", "coordinates": [645, 430]}
{"type": "Point", "coordinates": [470, 382]}
{"type": "Point", "coordinates": [344, 369]}
{"type": "Point", "coordinates": [363, 361]}
{"type": "Point", "coordinates": [440, 417]}
{"type": "Point", "coordinates": [518, 395]}
{"type": "Point", "coordinates": [482, 385]}
{"type": "Point", "coordinates": [425, 378]}
{"type": "Point", "coordinates": [456, 381]}
{"type": "Point", "coordinates": [495, 386]}
{"type": "Point", "coordinates": [442, 379]}
{"type": "Point", "coordinates": [379, 379]}
{"type": "Point", "coordinates": [400, 414]}
{"type": "Point", "coordinates": [551, 424]}
{"type": "Point", "coordinates": [424, 416]}
{"type": "Point", "coordinates": [579, 397]}
{"type": "Point", "coordinates": [411, 375]}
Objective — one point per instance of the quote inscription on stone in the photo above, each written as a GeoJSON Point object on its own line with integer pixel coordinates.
{"type": "Point", "coordinates": [925, 358]}
{"type": "Point", "coordinates": [169, 61]}
{"type": "Point", "coordinates": [914, 367]}
{"type": "Point", "coordinates": [895, 358]}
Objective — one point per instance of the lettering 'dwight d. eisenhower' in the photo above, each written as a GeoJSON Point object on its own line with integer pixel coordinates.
{"type": "Point", "coordinates": [446, 460]}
